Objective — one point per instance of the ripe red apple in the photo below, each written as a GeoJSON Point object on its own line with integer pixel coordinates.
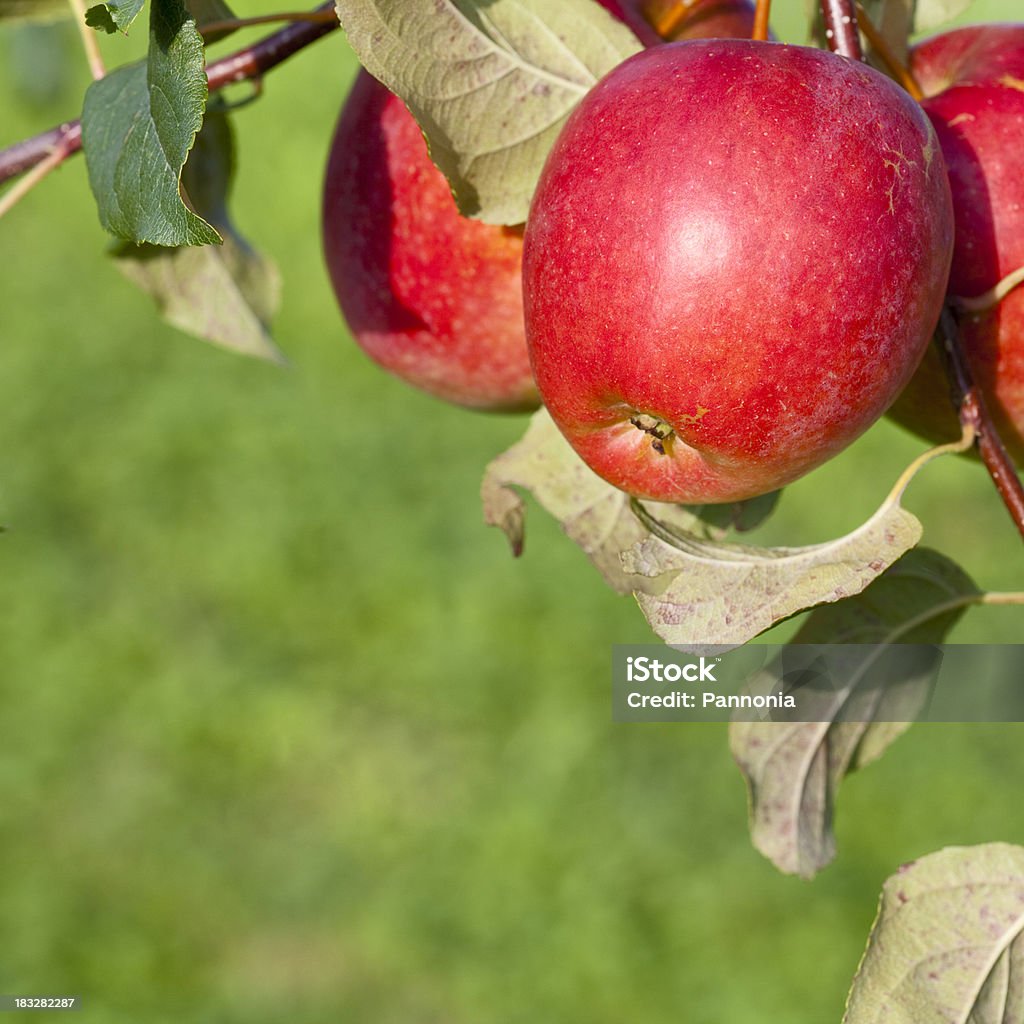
{"type": "Point", "coordinates": [733, 263]}
{"type": "Point", "coordinates": [434, 297]}
{"type": "Point", "coordinates": [974, 83]}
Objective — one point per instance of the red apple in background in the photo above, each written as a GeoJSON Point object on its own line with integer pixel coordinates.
{"type": "Point", "coordinates": [733, 263]}
{"type": "Point", "coordinates": [973, 79]}
{"type": "Point", "coordinates": [432, 296]}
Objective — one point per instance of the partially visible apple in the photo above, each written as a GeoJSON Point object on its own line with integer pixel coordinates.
{"type": "Point", "coordinates": [432, 296]}
{"type": "Point", "coordinates": [974, 82]}
{"type": "Point", "coordinates": [734, 260]}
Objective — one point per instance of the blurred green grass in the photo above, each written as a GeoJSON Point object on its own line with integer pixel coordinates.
{"type": "Point", "coordinates": [288, 735]}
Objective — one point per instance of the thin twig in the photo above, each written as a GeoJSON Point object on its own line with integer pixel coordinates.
{"type": "Point", "coordinates": [973, 412]}
{"type": "Point", "coordinates": [897, 68]}
{"type": "Point", "coordinates": [318, 17]}
{"type": "Point", "coordinates": [89, 41]}
{"type": "Point", "coordinates": [252, 62]}
{"type": "Point", "coordinates": [20, 189]}
{"type": "Point", "coordinates": [840, 18]}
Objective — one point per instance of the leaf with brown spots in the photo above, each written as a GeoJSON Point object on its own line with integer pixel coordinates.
{"type": "Point", "coordinates": [947, 946]}
{"type": "Point", "coordinates": [793, 769]}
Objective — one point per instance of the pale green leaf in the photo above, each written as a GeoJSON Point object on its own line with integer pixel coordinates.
{"type": "Point", "coordinates": [138, 124]}
{"type": "Point", "coordinates": [490, 82]}
{"type": "Point", "coordinates": [225, 294]}
{"type": "Point", "coordinates": [696, 592]}
{"type": "Point", "coordinates": [793, 769]}
{"type": "Point", "coordinates": [594, 514]}
{"type": "Point", "coordinates": [947, 946]}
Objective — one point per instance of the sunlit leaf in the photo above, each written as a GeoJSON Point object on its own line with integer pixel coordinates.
{"type": "Point", "coordinates": [948, 942]}
{"type": "Point", "coordinates": [489, 81]}
{"type": "Point", "coordinates": [138, 124]}
{"type": "Point", "coordinates": [793, 769]}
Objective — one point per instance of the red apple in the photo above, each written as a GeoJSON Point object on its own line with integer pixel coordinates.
{"type": "Point", "coordinates": [734, 261]}
{"type": "Point", "coordinates": [434, 297]}
{"type": "Point", "coordinates": [974, 82]}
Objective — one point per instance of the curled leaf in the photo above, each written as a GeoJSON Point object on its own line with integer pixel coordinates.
{"type": "Point", "coordinates": [226, 294]}
{"type": "Point", "coordinates": [696, 592]}
{"type": "Point", "coordinates": [489, 81]}
{"type": "Point", "coordinates": [597, 516]}
{"type": "Point", "coordinates": [948, 942]}
{"type": "Point", "coordinates": [793, 769]}
{"type": "Point", "coordinates": [138, 125]}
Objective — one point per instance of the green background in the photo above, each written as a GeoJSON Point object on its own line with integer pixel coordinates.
{"type": "Point", "coordinates": [288, 735]}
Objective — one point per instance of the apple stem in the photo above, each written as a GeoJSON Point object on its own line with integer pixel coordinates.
{"type": "Point", "coordinates": [974, 414]}
{"type": "Point", "coordinates": [987, 300]}
{"type": "Point", "coordinates": [840, 18]}
{"type": "Point", "coordinates": [249, 63]}
{"type": "Point", "coordinates": [665, 23]}
{"type": "Point", "coordinates": [761, 13]}
{"type": "Point", "coordinates": [897, 68]}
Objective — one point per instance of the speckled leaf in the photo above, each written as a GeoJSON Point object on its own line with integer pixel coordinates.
{"type": "Point", "coordinates": [697, 593]}
{"type": "Point", "coordinates": [947, 946]}
{"type": "Point", "coordinates": [138, 125]}
{"type": "Point", "coordinates": [489, 81]}
{"type": "Point", "coordinates": [33, 10]}
{"type": "Point", "coordinates": [225, 294]}
{"type": "Point", "coordinates": [114, 15]}
{"type": "Point", "coordinates": [793, 769]}
{"type": "Point", "coordinates": [594, 514]}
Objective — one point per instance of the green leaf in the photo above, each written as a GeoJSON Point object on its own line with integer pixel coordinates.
{"type": "Point", "coordinates": [33, 10]}
{"type": "Point", "coordinates": [597, 516]}
{"type": "Point", "coordinates": [490, 82]}
{"type": "Point", "coordinates": [115, 15]}
{"type": "Point", "coordinates": [224, 294]}
{"type": "Point", "coordinates": [138, 125]}
{"type": "Point", "coordinates": [948, 942]}
{"type": "Point", "coordinates": [793, 769]}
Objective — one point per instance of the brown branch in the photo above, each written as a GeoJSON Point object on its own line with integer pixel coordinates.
{"type": "Point", "coordinates": [249, 63]}
{"type": "Point", "coordinates": [973, 412]}
{"type": "Point", "coordinates": [840, 18]}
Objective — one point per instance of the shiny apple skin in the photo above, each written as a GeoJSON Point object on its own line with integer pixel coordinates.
{"type": "Point", "coordinates": [744, 241]}
{"type": "Point", "coordinates": [706, 19]}
{"type": "Point", "coordinates": [974, 81]}
{"type": "Point", "coordinates": [433, 297]}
